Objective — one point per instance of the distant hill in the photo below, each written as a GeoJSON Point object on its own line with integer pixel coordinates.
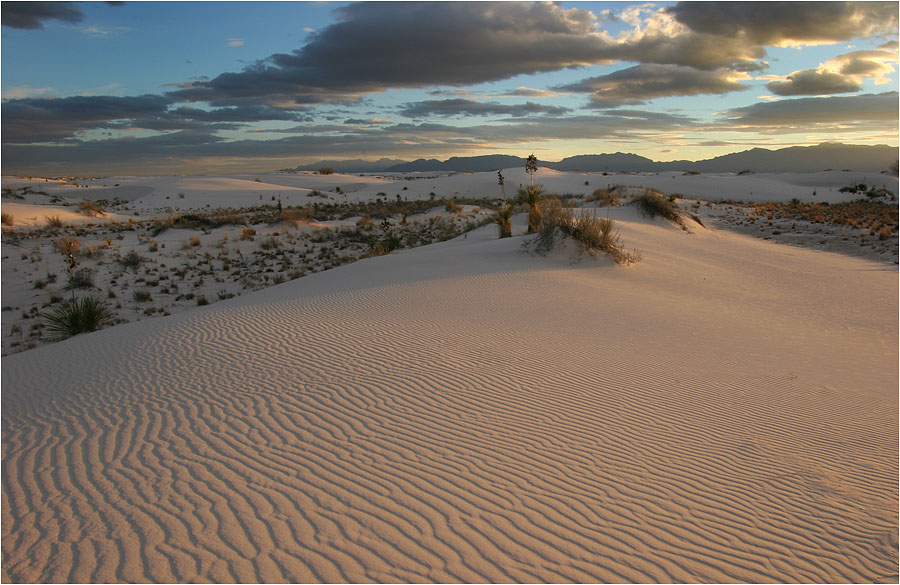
{"type": "Point", "coordinates": [802, 159]}
{"type": "Point", "coordinates": [796, 159]}
{"type": "Point", "coordinates": [350, 166]}
{"type": "Point", "coordinates": [489, 162]}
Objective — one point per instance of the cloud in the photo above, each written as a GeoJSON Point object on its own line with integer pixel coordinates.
{"type": "Point", "coordinates": [375, 46]}
{"type": "Point", "coordinates": [806, 114]}
{"type": "Point", "coordinates": [369, 122]}
{"type": "Point", "coordinates": [636, 85]}
{"type": "Point", "coordinates": [788, 23]}
{"type": "Point", "coordinates": [235, 42]}
{"type": "Point", "coordinates": [31, 15]}
{"type": "Point", "coordinates": [843, 74]}
{"type": "Point", "coordinates": [177, 151]}
{"type": "Point", "coordinates": [39, 120]}
{"type": "Point", "coordinates": [463, 107]}
{"type": "Point", "coordinates": [529, 92]}
{"type": "Point", "coordinates": [814, 82]}
{"type": "Point", "coordinates": [13, 92]}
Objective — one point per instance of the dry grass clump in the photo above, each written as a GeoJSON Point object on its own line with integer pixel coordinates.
{"type": "Point", "coordinates": [53, 221]}
{"type": "Point", "coordinates": [594, 234]}
{"type": "Point", "coordinates": [606, 197]}
{"type": "Point", "coordinates": [651, 204]}
{"type": "Point", "coordinates": [91, 208]}
{"type": "Point", "coordinates": [7, 219]}
{"type": "Point", "coordinates": [247, 234]}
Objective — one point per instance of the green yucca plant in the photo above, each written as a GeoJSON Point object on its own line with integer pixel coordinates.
{"type": "Point", "coordinates": [503, 219]}
{"type": "Point", "coordinates": [530, 197]}
{"type": "Point", "coordinates": [78, 316]}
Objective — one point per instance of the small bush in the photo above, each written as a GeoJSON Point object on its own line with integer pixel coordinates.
{"type": "Point", "coordinates": [141, 295]}
{"type": "Point", "coordinates": [81, 278]}
{"type": "Point", "coordinates": [78, 316]}
{"type": "Point", "coordinates": [652, 205]}
{"type": "Point", "coordinates": [67, 245]}
{"type": "Point", "coordinates": [91, 208]}
{"type": "Point", "coordinates": [326, 171]}
{"type": "Point", "coordinates": [7, 219]}
{"type": "Point", "coordinates": [605, 197]}
{"type": "Point", "coordinates": [53, 222]}
{"type": "Point", "coordinates": [452, 206]}
{"type": "Point", "coordinates": [247, 234]}
{"type": "Point", "coordinates": [594, 234]}
{"type": "Point", "coordinates": [131, 259]}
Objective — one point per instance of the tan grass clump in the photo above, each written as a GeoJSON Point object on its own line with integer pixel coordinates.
{"type": "Point", "coordinates": [593, 234]}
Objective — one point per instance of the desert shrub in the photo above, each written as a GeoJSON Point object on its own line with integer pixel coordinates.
{"type": "Point", "coordinates": [270, 244]}
{"type": "Point", "coordinates": [141, 295]}
{"type": "Point", "coordinates": [53, 222]}
{"type": "Point", "coordinates": [67, 245]}
{"type": "Point", "coordinates": [131, 259]}
{"type": "Point", "coordinates": [294, 215]}
{"type": "Point", "coordinates": [7, 219]}
{"type": "Point", "coordinates": [503, 219]}
{"type": "Point", "coordinates": [884, 233]}
{"type": "Point", "coordinates": [78, 316]}
{"type": "Point", "coordinates": [605, 197]}
{"type": "Point", "coordinates": [452, 206]}
{"type": "Point", "coordinates": [81, 278]}
{"type": "Point", "coordinates": [652, 205]}
{"type": "Point", "coordinates": [91, 208]}
{"type": "Point", "coordinates": [326, 171]}
{"type": "Point", "coordinates": [593, 234]}
{"type": "Point", "coordinates": [530, 197]}
{"type": "Point", "coordinates": [194, 241]}
{"type": "Point", "coordinates": [247, 234]}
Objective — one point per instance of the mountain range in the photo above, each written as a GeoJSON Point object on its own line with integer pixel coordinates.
{"type": "Point", "coordinates": [798, 159]}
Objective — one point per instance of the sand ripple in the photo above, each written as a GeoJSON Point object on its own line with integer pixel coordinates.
{"type": "Point", "coordinates": [419, 433]}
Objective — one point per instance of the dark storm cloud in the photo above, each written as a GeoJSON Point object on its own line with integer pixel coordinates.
{"type": "Point", "coordinates": [244, 113]}
{"type": "Point", "coordinates": [31, 15]}
{"type": "Point", "coordinates": [776, 23]}
{"type": "Point", "coordinates": [808, 112]}
{"type": "Point", "coordinates": [378, 45]}
{"type": "Point", "coordinates": [39, 120]}
{"type": "Point", "coordinates": [462, 107]}
{"type": "Point", "coordinates": [42, 120]}
{"type": "Point", "coordinates": [814, 82]}
{"type": "Point", "coordinates": [636, 85]}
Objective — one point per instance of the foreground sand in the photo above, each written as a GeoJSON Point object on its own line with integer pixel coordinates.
{"type": "Point", "coordinates": [725, 410]}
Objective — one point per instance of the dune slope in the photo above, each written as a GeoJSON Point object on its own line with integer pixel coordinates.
{"type": "Point", "coordinates": [725, 410]}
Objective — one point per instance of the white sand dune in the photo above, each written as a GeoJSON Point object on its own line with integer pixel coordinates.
{"type": "Point", "coordinates": [725, 410]}
{"type": "Point", "coordinates": [37, 215]}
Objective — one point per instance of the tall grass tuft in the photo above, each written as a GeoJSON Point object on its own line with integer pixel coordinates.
{"type": "Point", "coordinates": [78, 316]}
{"type": "Point", "coordinates": [594, 234]}
{"type": "Point", "coordinates": [652, 205]}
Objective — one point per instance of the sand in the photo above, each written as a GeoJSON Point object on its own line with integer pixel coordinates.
{"type": "Point", "coordinates": [723, 411]}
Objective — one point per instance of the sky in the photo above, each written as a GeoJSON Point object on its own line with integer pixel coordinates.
{"type": "Point", "coordinates": [146, 88]}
